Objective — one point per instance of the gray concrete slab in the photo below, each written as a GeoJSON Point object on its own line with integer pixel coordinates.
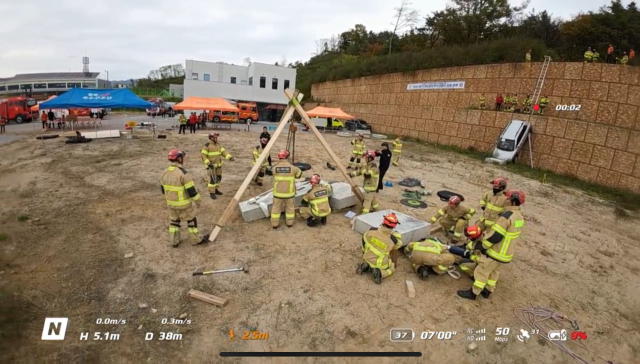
{"type": "Point", "coordinates": [343, 197]}
{"type": "Point", "coordinates": [410, 228]}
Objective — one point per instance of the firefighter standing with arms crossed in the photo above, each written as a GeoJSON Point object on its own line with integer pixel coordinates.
{"type": "Point", "coordinates": [357, 151]}
{"type": "Point", "coordinates": [180, 194]}
{"type": "Point", "coordinates": [492, 204]}
{"type": "Point", "coordinates": [315, 204]}
{"type": "Point", "coordinates": [284, 190]}
{"type": "Point", "coordinates": [454, 217]}
{"type": "Point", "coordinates": [397, 150]}
{"type": "Point", "coordinates": [371, 175]}
{"type": "Point", "coordinates": [497, 248]}
{"type": "Point", "coordinates": [377, 245]}
{"type": "Point", "coordinates": [212, 154]}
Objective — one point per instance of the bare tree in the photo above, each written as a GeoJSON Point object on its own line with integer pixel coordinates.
{"type": "Point", "coordinates": [405, 17]}
{"type": "Point", "coordinates": [283, 61]}
{"type": "Point", "coordinates": [320, 45]}
{"type": "Point", "coordinates": [246, 61]}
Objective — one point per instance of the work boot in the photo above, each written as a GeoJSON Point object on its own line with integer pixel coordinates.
{"type": "Point", "coordinates": [468, 294]}
{"type": "Point", "coordinates": [312, 221]}
{"type": "Point", "coordinates": [275, 227]}
{"type": "Point", "coordinates": [289, 225]}
{"type": "Point", "coordinates": [377, 275]}
{"type": "Point", "coordinates": [212, 195]}
{"type": "Point", "coordinates": [218, 192]}
{"type": "Point", "coordinates": [362, 268]}
{"type": "Point", "coordinates": [485, 293]}
{"type": "Point", "coordinates": [324, 220]}
{"type": "Point", "coordinates": [423, 272]}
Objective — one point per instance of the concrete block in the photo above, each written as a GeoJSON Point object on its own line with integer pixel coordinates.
{"type": "Point", "coordinates": [252, 210]}
{"type": "Point", "coordinates": [343, 197]}
{"type": "Point", "coordinates": [410, 228]}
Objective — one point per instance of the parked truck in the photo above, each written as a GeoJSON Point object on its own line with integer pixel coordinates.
{"type": "Point", "coordinates": [16, 109]}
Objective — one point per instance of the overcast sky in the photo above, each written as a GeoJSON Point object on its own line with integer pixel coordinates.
{"type": "Point", "coordinates": [128, 38]}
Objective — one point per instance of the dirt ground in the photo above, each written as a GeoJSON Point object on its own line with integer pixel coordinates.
{"type": "Point", "coordinates": [70, 213]}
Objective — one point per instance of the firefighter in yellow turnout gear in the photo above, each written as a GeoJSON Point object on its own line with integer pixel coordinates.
{"type": "Point", "coordinates": [263, 167]}
{"type": "Point", "coordinates": [497, 247]}
{"type": "Point", "coordinates": [469, 255]}
{"type": "Point", "coordinates": [397, 150]}
{"type": "Point", "coordinates": [180, 195]}
{"type": "Point", "coordinates": [371, 174]}
{"type": "Point", "coordinates": [429, 255]}
{"type": "Point", "coordinates": [377, 244]}
{"type": "Point", "coordinates": [357, 151]}
{"type": "Point", "coordinates": [212, 155]}
{"type": "Point", "coordinates": [454, 217]}
{"type": "Point", "coordinates": [284, 190]}
{"type": "Point", "coordinates": [315, 204]}
{"type": "Point", "coordinates": [492, 204]}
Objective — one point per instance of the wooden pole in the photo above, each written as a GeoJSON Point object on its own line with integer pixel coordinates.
{"type": "Point", "coordinates": [231, 207]}
{"type": "Point", "coordinates": [303, 114]}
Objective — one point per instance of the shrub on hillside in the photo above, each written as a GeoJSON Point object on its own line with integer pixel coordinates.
{"type": "Point", "coordinates": [337, 66]}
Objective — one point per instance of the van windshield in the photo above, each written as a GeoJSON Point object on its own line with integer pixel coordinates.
{"type": "Point", "coordinates": [507, 145]}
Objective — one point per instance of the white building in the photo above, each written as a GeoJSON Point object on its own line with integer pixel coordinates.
{"type": "Point", "coordinates": [259, 82]}
{"type": "Point", "coordinates": [49, 83]}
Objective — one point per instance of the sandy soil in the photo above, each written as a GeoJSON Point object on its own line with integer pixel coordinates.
{"type": "Point", "coordinates": [88, 205]}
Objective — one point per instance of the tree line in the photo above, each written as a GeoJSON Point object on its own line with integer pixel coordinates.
{"type": "Point", "coordinates": [468, 32]}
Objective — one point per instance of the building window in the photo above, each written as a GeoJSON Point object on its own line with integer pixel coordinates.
{"type": "Point", "coordinates": [233, 80]}
{"type": "Point", "coordinates": [25, 86]}
{"type": "Point", "coordinates": [13, 87]}
{"type": "Point", "coordinates": [250, 81]}
{"type": "Point", "coordinates": [194, 76]}
{"type": "Point", "coordinates": [207, 77]}
{"type": "Point", "coordinates": [274, 83]}
{"type": "Point", "coordinates": [263, 82]}
{"type": "Point", "coordinates": [74, 85]}
{"type": "Point", "coordinates": [39, 85]}
{"type": "Point", "coordinates": [286, 84]}
{"type": "Point", "coordinates": [3, 88]}
{"type": "Point", "coordinates": [57, 85]}
{"type": "Point", "coordinates": [88, 85]}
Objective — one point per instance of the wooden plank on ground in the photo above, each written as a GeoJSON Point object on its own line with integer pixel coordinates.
{"type": "Point", "coordinates": [208, 298]}
{"type": "Point", "coordinates": [411, 291]}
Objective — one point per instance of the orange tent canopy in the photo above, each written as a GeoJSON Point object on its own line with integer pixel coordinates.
{"type": "Point", "coordinates": [204, 103]}
{"type": "Point", "coordinates": [36, 107]}
{"type": "Point", "coordinates": [327, 112]}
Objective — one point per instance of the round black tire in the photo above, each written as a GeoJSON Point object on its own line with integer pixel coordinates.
{"type": "Point", "coordinates": [445, 195]}
{"type": "Point", "coordinates": [249, 120]}
{"type": "Point", "coordinates": [19, 119]}
{"type": "Point", "coordinates": [48, 136]}
{"type": "Point", "coordinates": [303, 166]}
{"type": "Point", "coordinates": [216, 119]}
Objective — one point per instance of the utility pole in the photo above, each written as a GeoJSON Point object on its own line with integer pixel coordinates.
{"type": "Point", "coordinates": [108, 85]}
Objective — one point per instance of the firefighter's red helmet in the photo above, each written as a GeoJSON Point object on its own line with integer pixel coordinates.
{"type": "Point", "coordinates": [174, 154]}
{"type": "Point", "coordinates": [283, 154]}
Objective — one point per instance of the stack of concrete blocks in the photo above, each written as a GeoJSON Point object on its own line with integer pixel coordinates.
{"type": "Point", "coordinates": [259, 207]}
{"type": "Point", "coordinates": [410, 228]}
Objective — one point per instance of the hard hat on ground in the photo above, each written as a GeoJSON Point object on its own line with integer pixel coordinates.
{"type": "Point", "coordinates": [315, 179]}
{"type": "Point", "coordinates": [283, 154]}
{"type": "Point", "coordinates": [390, 220]}
{"type": "Point", "coordinates": [472, 232]}
{"type": "Point", "coordinates": [516, 197]}
{"type": "Point", "coordinates": [454, 201]}
{"type": "Point", "coordinates": [174, 154]}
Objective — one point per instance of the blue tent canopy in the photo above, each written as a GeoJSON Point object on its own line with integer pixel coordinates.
{"type": "Point", "coordinates": [96, 99]}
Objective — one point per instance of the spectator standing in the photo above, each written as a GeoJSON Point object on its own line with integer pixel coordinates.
{"type": "Point", "coordinates": [193, 120]}
{"type": "Point", "coordinates": [51, 117]}
{"type": "Point", "coordinates": [43, 119]}
{"type": "Point", "coordinates": [499, 100]}
{"type": "Point", "coordinates": [3, 122]}
{"type": "Point", "coordinates": [385, 160]}
{"type": "Point", "coordinates": [632, 55]}
{"type": "Point", "coordinates": [609, 58]}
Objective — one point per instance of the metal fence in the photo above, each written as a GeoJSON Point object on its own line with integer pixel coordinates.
{"type": "Point", "coordinates": [148, 91]}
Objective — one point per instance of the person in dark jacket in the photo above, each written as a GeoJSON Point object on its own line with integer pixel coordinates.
{"type": "Point", "coordinates": [265, 135]}
{"type": "Point", "coordinates": [385, 161]}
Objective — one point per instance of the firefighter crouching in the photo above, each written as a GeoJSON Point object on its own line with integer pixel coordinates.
{"type": "Point", "coordinates": [263, 167]}
{"type": "Point", "coordinates": [284, 190]}
{"type": "Point", "coordinates": [492, 204]}
{"type": "Point", "coordinates": [315, 204]}
{"type": "Point", "coordinates": [429, 256]}
{"type": "Point", "coordinates": [357, 150]}
{"type": "Point", "coordinates": [454, 217]}
{"type": "Point", "coordinates": [180, 194]}
{"type": "Point", "coordinates": [397, 150]}
{"type": "Point", "coordinates": [212, 154]}
{"type": "Point", "coordinates": [377, 245]}
{"type": "Point", "coordinates": [371, 175]}
{"type": "Point", "coordinates": [469, 255]}
{"type": "Point", "coordinates": [497, 247]}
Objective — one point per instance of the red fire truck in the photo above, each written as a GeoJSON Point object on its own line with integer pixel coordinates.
{"type": "Point", "coordinates": [16, 109]}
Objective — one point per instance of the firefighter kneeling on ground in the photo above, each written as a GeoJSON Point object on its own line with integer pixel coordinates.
{"type": "Point", "coordinates": [371, 175]}
{"type": "Point", "coordinates": [377, 245]}
{"type": "Point", "coordinates": [429, 256]}
{"type": "Point", "coordinates": [497, 247]}
{"type": "Point", "coordinates": [315, 204]}
{"type": "Point", "coordinates": [492, 204]}
{"type": "Point", "coordinates": [454, 217]}
{"type": "Point", "coordinates": [284, 190]}
{"type": "Point", "coordinates": [180, 194]}
{"type": "Point", "coordinates": [265, 163]}
{"type": "Point", "coordinates": [212, 154]}
{"type": "Point", "coordinates": [469, 254]}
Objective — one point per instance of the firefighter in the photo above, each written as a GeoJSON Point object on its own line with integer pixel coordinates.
{"type": "Point", "coordinates": [527, 57]}
{"type": "Point", "coordinates": [526, 104]}
{"type": "Point", "coordinates": [212, 154]}
{"type": "Point", "coordinates": [497, 247]}
{"type": "Point", "coordinates": [429, 256]}
{"type": "Point", "coordinates": [371, 175]}
{"type": "Point", "coordinates": [588, 55]}
{"type": "Point", "coordinates": [481, 102]}
{"type": "Point", "coordinates": [183, 124]}
{"type": "Point", "coordinates": [454, 217]}
{"type": "Point", "coordinates": [473, 235]}
{"type": "Point", "coordinates": [542, 104]}
{"type": "Point", "coordinates": [315, 204]}
{"type": "Point", "coordinates": [377, 245]}
{"type": "Point", "coordinates": [357, 150]}
{"type": "Point", "coordinates": [263, 167]}
{"type": "Point", "coordinates": [492, 204]}
{"type": "Point", "coordinates": [180, 194]}
{"type": "Point", "coordinates": [507, 103]}
{"type": "Point", "coordinates": [284, 190]}
{"type": "Point", "coordinates": [397, 150]}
